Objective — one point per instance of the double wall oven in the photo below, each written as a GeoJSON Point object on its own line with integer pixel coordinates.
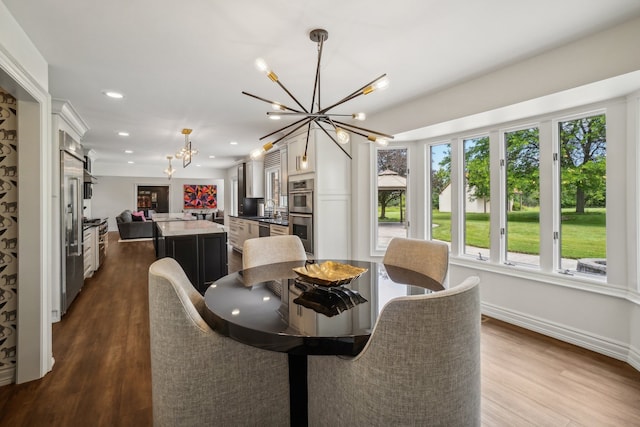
{"type": "Point", "coordinates": [301, 211]}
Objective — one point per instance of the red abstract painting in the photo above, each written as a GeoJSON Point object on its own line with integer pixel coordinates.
{"type": "Point", "coordinates": [200, 196]}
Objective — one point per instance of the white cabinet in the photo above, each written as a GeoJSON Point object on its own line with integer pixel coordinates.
{"type": "Point", "coordinates": [236, 232]}
{"type": "Point", "coordinates": [90, 250]}
{"type": "Point", "coordinates": [295, 151]}
{"type": "Point", "coordinates": [278, 230]}
{"type": "Point", "coordinates": [330, 168]}
{"type": "Point", "coordinates": [254, 174]}
{"type": "Point", "coordinates": [240, 230]}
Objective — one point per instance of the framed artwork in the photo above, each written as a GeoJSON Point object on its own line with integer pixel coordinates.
{"type": "Point", "coordinates": [186, 159]}
{"type": "Point", "coordinates": [200, 196]}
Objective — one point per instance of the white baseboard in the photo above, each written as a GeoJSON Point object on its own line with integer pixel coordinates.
{"type": "Point", "coordinates": [7, 375]}
{"type": "Point", "coordinates": [634, 358]}
{"type": "Point", "coordinates": [602, 345]}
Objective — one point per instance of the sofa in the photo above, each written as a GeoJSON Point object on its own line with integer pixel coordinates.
{"type": "Point", "coordinates": [218, 216]}
{"type": "Point", "coordinates": [133, 225]}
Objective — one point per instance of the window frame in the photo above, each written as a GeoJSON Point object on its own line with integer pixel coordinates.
{"type": "Point", "coordinates": [616, 111]}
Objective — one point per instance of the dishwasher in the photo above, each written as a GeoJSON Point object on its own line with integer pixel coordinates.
{"type": "Point", "coordinates": [263, 230]}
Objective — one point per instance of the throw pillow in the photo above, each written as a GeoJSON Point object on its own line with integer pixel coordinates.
{"type": "Point", "coordinates": [138, 216]}
{"type": "Point", "coordinates": [126, 216]}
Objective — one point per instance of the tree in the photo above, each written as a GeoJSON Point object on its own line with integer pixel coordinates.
{"type": "Point", "coordinates": [476, 160]}
{"type": "Point", "coordinates": [385, 198]}
{"type": "Point", "coordinates": [583, 149]}
{"type": "Point", "coordinates": [394, 159]}
{"type": "Point", "coordinates": [523, 165]}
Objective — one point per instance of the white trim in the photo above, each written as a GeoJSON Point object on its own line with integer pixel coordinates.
{"type": "Point", "coordinates": [599, 344]}
{"type": "Point", "coordinates": [70, 116]}
{"type": "Point", "coordinates": [35, 254]}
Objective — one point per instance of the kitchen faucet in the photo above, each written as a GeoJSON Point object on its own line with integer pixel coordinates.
{"type": "Point", "coordinates": [273, 209]}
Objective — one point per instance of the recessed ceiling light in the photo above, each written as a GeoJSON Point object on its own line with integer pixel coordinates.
{"type": "Point", "coordinates": [233, 143]}
{"type": "Point", "coordinates": [198, 166]}
{"type": "Point", "coordinates": [130, 162]}
{"type": "Point", "coordinates": [128, 151]}
{"type": "Point", "coordinates": [123, 133]}
{"type": "Point", "coordinates": [212, 157]}
{"type": "Point", "coordinates": [113, 94]}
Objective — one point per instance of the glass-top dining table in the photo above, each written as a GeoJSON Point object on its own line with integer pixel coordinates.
{"type": "Point", "coordinates": [272, 307]}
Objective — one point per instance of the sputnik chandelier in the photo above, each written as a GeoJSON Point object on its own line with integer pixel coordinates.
{"type": "Point", "coordinates": [317, 115]}
{"type": "Point", "coordinates": [169, 170]}
{"type": "Point", "coordinates": [186, 152]}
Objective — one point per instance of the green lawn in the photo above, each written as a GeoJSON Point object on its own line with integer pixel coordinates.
{"type": "Point", "coordinates": [392, 214]}
{"type": "Point", "coordinates": [583, 236]}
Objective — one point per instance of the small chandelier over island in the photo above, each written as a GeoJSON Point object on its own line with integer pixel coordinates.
{"type": "Point", "coordinates": [321, 117]}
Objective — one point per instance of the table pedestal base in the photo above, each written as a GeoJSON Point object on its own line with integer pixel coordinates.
{"type": "Point", "coordinates": [298, 396]}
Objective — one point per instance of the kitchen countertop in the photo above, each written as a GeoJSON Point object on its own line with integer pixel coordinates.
{"type": "Point", "coordinates": [264, 219]}
{"type": "Point", "coordinates": [185, 228]}
{"type": "Point", "coordinates": [93, 222]}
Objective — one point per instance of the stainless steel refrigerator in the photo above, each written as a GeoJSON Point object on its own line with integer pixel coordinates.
{"type": "Point", "coordinates": [71, 187]}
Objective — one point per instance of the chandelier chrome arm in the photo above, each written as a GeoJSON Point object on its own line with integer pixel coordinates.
{"type": "Point", "coordinates": [274, 103]}
{"type": "Point", "coordinates": [350, 127]}
{"type": "Point", "coordinates": [364, 90]}
{"type": "Point", "coordinates": [319, 115]}
{"type": "Point", "coordinates": [304, 119]}
{"type": "Point", "coordinates": [334, 141]}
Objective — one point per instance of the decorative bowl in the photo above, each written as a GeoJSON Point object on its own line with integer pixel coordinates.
{"type": "Point", "coordinates": [329, 273]}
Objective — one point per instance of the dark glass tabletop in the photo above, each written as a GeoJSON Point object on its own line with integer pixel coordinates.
{"type": "Point", "coordinates": [271, 307]}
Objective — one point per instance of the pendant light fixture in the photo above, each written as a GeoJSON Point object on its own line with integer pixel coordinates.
{"type": "Point", "coordinates": [321, 117]}
{"type": "Point", "coordinates": [169, 170]}
{"type": "Point", "coordinates": [186, 152]}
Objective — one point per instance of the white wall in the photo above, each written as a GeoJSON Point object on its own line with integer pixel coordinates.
{"type": "Point", "coordinates": [113, 194]}
{"type": "Point", "coordinates": [600, 317]}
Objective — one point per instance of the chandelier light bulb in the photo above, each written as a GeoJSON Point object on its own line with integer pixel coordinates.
{"type": "Point", "coordinates": [262, 66]}
{"type": "Point", "coordinates": [359, 116]}
{"type": "Point", "coordinates": [380, 140]}
{"type": "Point", "coordinates": [342, 135]}
{"type": "Point", "coordinates": [255, 154]}
{"type": "Point", "coordinates": [274, 117]}
{"type": "Point", "coordinates": [305, 162]}
{"type": "Point", "coordinates": [383, 83]}
{"type": "Point", "coordinates": [277, 107]}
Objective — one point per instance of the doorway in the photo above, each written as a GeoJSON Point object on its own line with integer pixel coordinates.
{"type": "Point", "coordinates": [153, 197]}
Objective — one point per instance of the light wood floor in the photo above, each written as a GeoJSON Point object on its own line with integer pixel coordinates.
{"type": "Point", "coordinates": [102, 374]}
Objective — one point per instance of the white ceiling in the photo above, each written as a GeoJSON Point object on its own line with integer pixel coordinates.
{"type": "Point", "coordinates": [184, 64]}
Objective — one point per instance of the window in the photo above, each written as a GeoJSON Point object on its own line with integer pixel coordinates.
{"type": "Point", "coordinates": [476, 197]}
{"type": "Point", "coordinates": [583, 172]}
{"type": "Point", "coordinates": [533, 197]}
{"type": "Point", "coordinates": [440, 187]}
{"type": "Point", "coordinates": [391, 187]}
{"type": "Point", "coordinates": [272, 185]}
{"type": "Point", "coordinates": [522, 197]}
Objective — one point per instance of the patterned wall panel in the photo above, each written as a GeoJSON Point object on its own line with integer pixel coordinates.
{"type": "Point", "coordinates": [8, 229]}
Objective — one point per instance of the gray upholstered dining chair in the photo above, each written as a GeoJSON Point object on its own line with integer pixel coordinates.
{"type": "Point", "coordinates": [428, 257]}
{"type": "Point", "coordinates": [200, 377]}
{"type": "Point", "coordinates": [272, 249]}
{"type": "Point", "coordinates": [421, 366]}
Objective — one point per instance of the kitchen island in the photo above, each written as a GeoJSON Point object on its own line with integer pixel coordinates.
{"type": "Point", "coordinates": [199, 246]}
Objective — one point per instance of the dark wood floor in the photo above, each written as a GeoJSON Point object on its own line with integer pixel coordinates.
{"type": "Point", "coordinates": [102, 374]}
